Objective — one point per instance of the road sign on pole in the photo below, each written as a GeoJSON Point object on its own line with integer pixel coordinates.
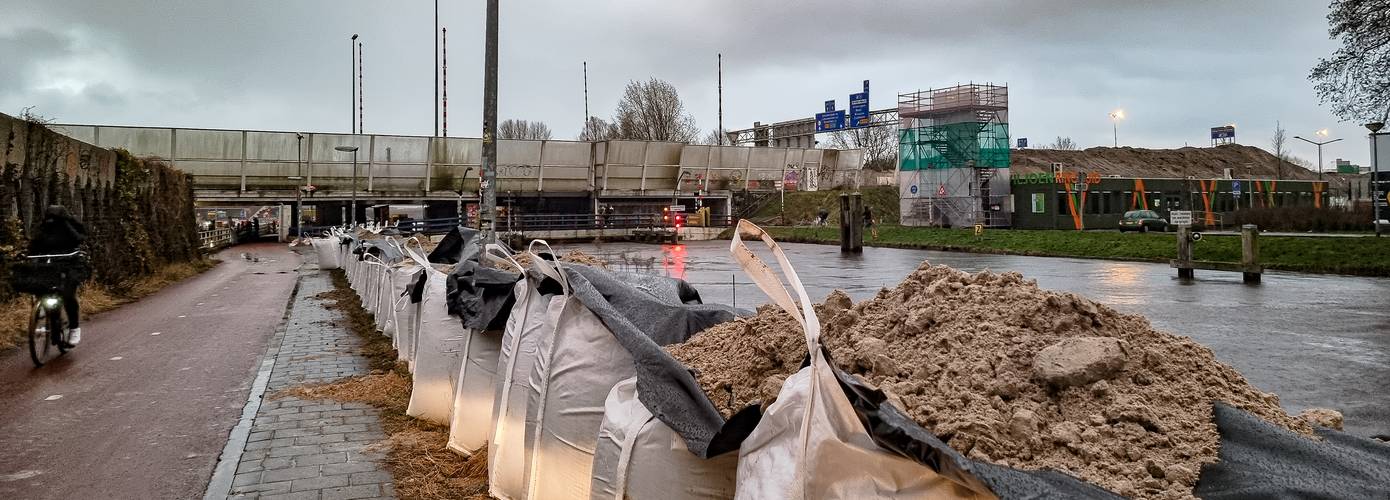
{"type": "Point", "coordinates": [1180, 217]}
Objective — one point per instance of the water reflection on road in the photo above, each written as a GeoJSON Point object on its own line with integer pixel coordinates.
{"type": "Point", "coordinates": [1316, 340]}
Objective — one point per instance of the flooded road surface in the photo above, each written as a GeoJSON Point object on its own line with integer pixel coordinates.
{"type": "Point", "coordinates": [1315, 340]}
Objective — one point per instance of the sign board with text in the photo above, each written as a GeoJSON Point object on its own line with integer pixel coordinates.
{"type": "Point", "coordinates": [830, 121]}
{"type": "Point", "coordinates": [1180, 217]}
{"type": "Point", "coordinates": [1226, 132]}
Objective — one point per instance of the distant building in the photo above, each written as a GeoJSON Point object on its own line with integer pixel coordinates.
{"type": "Point", "coordinates": [1347, 167]}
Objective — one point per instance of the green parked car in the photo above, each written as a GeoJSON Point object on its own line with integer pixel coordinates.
{"type": "Point", "coordinates": [1142, 221]}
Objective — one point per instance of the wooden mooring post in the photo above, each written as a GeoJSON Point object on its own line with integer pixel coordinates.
{"type": "Point", "coordinates": [851, 223]}
{"type": "Point", "coordinates": [1249, 265]}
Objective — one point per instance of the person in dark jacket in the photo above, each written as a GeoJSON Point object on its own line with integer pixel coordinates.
{"type": "Point", "coordinates": [61, 233]}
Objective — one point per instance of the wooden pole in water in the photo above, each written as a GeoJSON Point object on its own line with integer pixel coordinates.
{"type": "Point", "coordinates": [1250, 252]}
{"type": "Point", "coordinates": [851, 223]}
{"type": "Point", "coordinates": [1185, 252]}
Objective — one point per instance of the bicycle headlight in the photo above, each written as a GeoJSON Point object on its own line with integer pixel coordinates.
{"type": "Point", "coordinates": [51, 302]}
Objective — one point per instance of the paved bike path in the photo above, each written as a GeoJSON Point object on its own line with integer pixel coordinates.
{"type": "Point", "coordinates": [143, 407]}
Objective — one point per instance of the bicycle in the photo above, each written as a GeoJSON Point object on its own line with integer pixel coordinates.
{"type": "Point", "coordinates": [43, 276]}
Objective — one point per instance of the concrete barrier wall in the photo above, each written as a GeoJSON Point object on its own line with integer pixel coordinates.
{"type": "Point", "coordinates": [138, 213]}
{"type": "Point", "coordinates": [240, 164]}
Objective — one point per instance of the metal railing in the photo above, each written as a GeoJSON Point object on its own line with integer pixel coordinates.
{"type": "Point", "coordinates": [216, 238]}
{"type": "Point", "coordinates": [549, 222]}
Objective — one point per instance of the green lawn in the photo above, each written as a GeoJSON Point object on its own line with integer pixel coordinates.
{"type": "Point", "coordinates": [1356, 256]}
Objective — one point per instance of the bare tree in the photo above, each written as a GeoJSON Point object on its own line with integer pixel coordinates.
{"type": "Point", "coordinates": [597, 129]}
{"type": "Point", "coordinates": [1064, 144]}
{"type": "Point", "coordinates": [715, 137]}
{"type": "Point", "coordinates": [652, 111]}
{"type": "Point", "coordinates": [1278, 142]}
{"type": "Point", "coordinates": [880, 145]}
{"type": "Point", "coordinates": [1354, 79]}
{"type": "Point", "coordinates": [522, 129]}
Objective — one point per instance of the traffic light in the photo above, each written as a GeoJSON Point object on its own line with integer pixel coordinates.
{"type": "Point", "coordinates": [665, 214]}
{"type": "Point", "coordinates": [680, 220]}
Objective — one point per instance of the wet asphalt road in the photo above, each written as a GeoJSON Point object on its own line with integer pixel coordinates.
{"type": "Point", "coordinates": [1315, 340]}
{"type": "Point", "coordinates": [131, 414]}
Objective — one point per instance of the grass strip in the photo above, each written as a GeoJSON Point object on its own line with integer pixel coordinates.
{"type": "Point", "coordinates": [1329, 255]}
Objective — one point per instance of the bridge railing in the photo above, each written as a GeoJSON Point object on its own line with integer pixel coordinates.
{"type": "Point", "coordinates": [216, 238]}
{"type": "Point", "coordinates": [544, 222]}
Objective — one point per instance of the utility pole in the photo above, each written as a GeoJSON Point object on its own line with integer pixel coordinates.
{"type": "Point", "coordinates": [299, 181]}
{"type": "Point", "coordinates": [446, 82]}
{"type": "Point", "coordinates": [586, 97]}
{"type": "Point", "coordinates": [720, 62]}
{"type": "Point", "coordinates": [352, 78]}
{"type": "Point", "coordinates": [1377, 191]}
{"type": "Point", "coordinates": [361, 89]}
{"type": "Point", "coordinates": [488, 209]}
{"type": "Point", "coordinates": [436, 69]}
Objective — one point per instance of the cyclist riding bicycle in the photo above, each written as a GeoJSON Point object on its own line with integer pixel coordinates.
{"type": "Point", "coordinates": [61, 233]}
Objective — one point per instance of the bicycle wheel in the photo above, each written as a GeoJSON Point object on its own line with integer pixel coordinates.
{"type": "Point", "coordinates": [58, 328]}
{"type": "Point", "coordinates": [40, 342]}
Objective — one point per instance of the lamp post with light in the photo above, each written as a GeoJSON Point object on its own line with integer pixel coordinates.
{"type": "Point", "coordinates": [1115, 117]}
{"type": "Point", "coordinates": [1321, 133]}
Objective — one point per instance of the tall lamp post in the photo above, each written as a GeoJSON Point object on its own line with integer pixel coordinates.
{"type": "Point", "coordinates": [1376, 191]}
{"type": "Point", "coordinates": [1322, 133]}
{"type": "Point", "coordinates": [298, 188]}
{"type": "Point", "coordinates": [352, 78]}
{"type": "Point", "coordinates": [1115, 117]}
{"type": "Point", "coordinates": [353, 150]}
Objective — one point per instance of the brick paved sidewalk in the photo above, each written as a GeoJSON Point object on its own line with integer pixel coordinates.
{"type": "Point", "coordinates": [312, 449]}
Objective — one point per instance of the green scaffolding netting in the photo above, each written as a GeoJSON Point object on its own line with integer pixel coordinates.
{"type": "Point", "coordinates": [954, 145]}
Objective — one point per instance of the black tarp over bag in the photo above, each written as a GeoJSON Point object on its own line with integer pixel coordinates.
{"type": "Point", "coordinates": [480, 295]}
{"type": "Point", "coordinates": [450, 249]}
{"type": "Point", "coordinates": [1259, 460]}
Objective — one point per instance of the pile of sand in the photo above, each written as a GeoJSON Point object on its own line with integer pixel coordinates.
{"type": "Point", "coordinates": [967, 356]}
{"type": "Point", "coordinates": [572, 256]}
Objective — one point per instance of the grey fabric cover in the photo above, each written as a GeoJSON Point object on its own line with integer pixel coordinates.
{"type": "Point", "coordinates": [1260, 460]}
{"type": "Point", "coordinates": [645, 314]}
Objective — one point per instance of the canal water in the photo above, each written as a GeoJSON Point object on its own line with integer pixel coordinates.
{"type": "Point", "coordinates": [1315, 340]}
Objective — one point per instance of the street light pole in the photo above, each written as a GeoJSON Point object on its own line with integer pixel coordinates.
{"type": "Point", "coordinates": [352, 78]}
{"type": "Point", "coordinates": [1376, 192]}
{"type": "Point", "coordinates": [1115, 117]}
{"type": "Point", "coordinates": [1319, 145]}
{"type": "Point", "coordinates": [298, 191]}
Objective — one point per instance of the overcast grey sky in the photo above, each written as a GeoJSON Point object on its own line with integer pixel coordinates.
{"type": "Point", "coordinates": [1177, 67]}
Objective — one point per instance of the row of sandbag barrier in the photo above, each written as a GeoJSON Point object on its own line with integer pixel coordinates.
{"type": "Point", "coordinates": [551, 385]}
{"type": "Point", "coordinates": [557, 371]}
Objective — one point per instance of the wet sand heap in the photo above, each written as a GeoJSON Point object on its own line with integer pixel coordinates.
{"type": "Point", "coordinates": [1007, 373]}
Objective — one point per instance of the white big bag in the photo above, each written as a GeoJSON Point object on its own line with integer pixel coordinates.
{"type": "Point", "coordinates": [810, 443]}
{"type": "Point", "coordinates": [477, 376]}
{"type": "Point", "coordinates": [436, 354]}
{"type": "Point", "coordinates": [509, 448]}
{"type": "Point", "coordinates": [640, 458]}
{"type": "Point", "coordinates": [579, 362]}
{"type": "Point", "coordinates": [327, 250]}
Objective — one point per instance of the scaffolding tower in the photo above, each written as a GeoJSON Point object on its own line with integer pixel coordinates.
{"type": "Point", "coordinates": [953, 156]}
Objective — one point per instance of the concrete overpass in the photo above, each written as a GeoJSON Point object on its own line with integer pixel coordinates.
{"type": "Point", "coordinates": [253, 167]}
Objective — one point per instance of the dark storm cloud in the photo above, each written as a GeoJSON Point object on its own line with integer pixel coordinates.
{"type": "Point", "coordinates": [1178, 67]}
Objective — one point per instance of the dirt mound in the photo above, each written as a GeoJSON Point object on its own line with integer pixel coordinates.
{"type": "Point", "coordinates": [1113, 401]}
{"type": "Point", "coordinates": [1203, 163]}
